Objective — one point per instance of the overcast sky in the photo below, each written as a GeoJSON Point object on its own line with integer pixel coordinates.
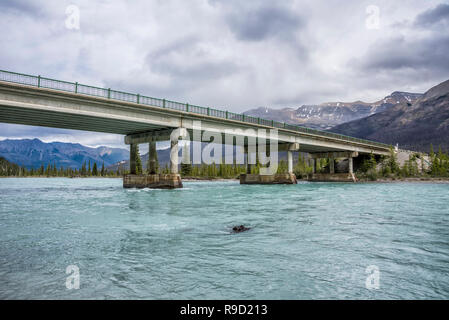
{"type": "Point", "coordinates": [232, 54]}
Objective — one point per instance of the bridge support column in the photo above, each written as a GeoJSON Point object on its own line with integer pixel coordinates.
{"type": "Point", "coordinates": [249, 166]}
{"type": "Point", "coordinates": [351, 165]}
{"type": "Point", "coordinates": [290, 161]}
{"type": "Point", "coordinates": [312, 163]}
{"type": "Point", "coordinates": [332, 176]}
{"type": "Point", "coordinates": [331, 165]}
{"type": "Point", "coordinates": [152, 180]}
{"type": "Point", "coordinates": [152, 158]}
{"type": "Point", "coordinates": [174, 157]}
{"type": "Point", "coordinates": [132, 158]}
{"type": "Point", "coordinates": [278, 178]}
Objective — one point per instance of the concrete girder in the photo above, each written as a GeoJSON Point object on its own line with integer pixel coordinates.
{"type": "Point", "coordinates": [334, 155]}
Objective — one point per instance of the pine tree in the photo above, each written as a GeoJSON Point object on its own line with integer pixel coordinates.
{"type": "Point", "coordinates": [95, 170]}
{"type": "Point", "coordinates": [102, 169]}
{"type": "Point", "coordinates": [83, 169]}
{"type": "Point", "coordinates": [138, 161]}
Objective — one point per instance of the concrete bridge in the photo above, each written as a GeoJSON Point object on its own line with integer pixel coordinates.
{"type": "Point", "coordinates": [39, 101]}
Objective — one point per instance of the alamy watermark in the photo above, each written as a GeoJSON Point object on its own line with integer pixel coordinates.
{"type": "Point", "coordinates": [372, 21]}
{"type": "Point", "coordinates": [73, 280]}
{"type": "Point", "coordinates": [260, 147]}
{"type": "Point", "coordinates": [72, 21]}
{"type": "Point", "coordinates": [372, 281]}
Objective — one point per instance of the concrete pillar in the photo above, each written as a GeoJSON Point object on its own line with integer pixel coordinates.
{"type": "Point", "coordinates": [152, 158]}
{"type": "Point", "coordinates": [315, 170]}
{"type": "Point", "coordinates": [351, 165]}
{"type": "Point", "coordinates": [174, 157]}
{"type": "Point", "coordinates": [248, 165]}
{"type": "Point", "coordinates": [313, 165]}
{"type": "Point", "coordinates": [290, 161]}
{"type": "Point", "coordinates": [132, 158]}
{"type": "Point", "coordinates": [331, 165]}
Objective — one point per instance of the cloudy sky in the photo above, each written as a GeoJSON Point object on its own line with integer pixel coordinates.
{"type": "Point", "coordinates": [231, 54]}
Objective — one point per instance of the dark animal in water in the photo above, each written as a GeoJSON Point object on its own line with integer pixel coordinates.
{"type": "Point", "coordinates": [238, 229]}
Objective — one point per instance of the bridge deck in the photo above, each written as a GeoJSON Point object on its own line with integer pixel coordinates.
{"type": "Point", "coordinates": [34, 100]}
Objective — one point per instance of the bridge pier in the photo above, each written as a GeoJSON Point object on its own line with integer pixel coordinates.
{"type": "Point", "coordinates": [152, 158]}
{"type": "Point", "coordinates": [332, 176]}
{"type": "Point", "coordinates": [153, 179]}
{"type": "Point", "coordinates": [277, 178]}
{"type": "Point", "coordinates": [332, 165]}
{"type": "Point", "coordinates": [132, 158]}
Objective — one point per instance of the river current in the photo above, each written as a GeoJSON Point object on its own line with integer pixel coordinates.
{"type": "Point", "coordinates": [307, 241]}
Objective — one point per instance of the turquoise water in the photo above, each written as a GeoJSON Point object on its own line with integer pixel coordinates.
{"type": "Point", "coordinates": [311, 240]}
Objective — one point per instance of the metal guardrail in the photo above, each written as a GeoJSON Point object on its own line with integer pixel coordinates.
{"type": "Point", "coordinates": [75, 87]}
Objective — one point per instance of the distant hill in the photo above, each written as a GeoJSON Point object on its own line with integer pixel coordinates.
{"type": "Point", "coordinates": [414, 125]}
{"type": "Point", "coordinates": [330, 114]}
{"type": "Point", "coordinates": [31, 153]}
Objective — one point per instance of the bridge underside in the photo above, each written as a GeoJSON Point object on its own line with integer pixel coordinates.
{"type": "Point", "coordinates": [10, 113]}
{"type": "Point", "coordinates": [74, 121]}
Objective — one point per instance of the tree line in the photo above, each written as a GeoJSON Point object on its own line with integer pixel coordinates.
{"type": "Point", "coordinates": [371, 169]}
{"type": "Point", "coordinates": [51, 170]}
{"type": "Point", "coordinates": [388, 167]}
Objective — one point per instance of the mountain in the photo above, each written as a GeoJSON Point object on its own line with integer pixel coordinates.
{"type": "Point", "coordinates": [330, 114]}
{"type": "Point", "coordinates": [31, 153]}
{"type": "Point", "coordinates": [414, 125]}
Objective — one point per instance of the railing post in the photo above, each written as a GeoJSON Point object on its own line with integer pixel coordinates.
{"type": "Point", "coordinates": [187, 107]}
{"type": "Point", "coordinates": [76, 87]}
{"type": "Point", "coordinates": [138, 98]}
{"type": "Point", "coordinates": [109, 93]}
{"type": "Point", "coordinates": [39, 81]}
{"type": "Point", "coordinates": [208, 111]}
{"type": "Point", "coordinates": [227, 115]}
{"type": "Point", "coordinates": [272, 123]}
{"type": "Point", "coordinates": [243, 117]}
{"type": "Point", "coordinates": [284, 125]}
{"type": "Point", "coordinates": [258, 120]}
{"type": "Point", "coordinates": [163, 103]}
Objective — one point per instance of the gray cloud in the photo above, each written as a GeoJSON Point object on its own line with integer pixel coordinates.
{"type": "Point", "coordinates": [433, 16]}
{"type": "Point", "coordinates": [425, 54]}
{"type": "Point", "coordinates": [228, 54]}
{"type": "Point", "coordinates": [20, 6]}
{"type": "Point", "coordinates": [264, 22]}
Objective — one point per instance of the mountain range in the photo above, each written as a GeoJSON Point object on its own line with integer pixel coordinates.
{"type": "Point", "coordinates": [327, 115]}
{"type": "Point", "coordinates": [32, 153]}
{"type": "Point", "coordinates": [413, 125]}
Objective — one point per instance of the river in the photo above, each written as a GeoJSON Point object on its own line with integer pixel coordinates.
{"type": "Point", "coordinates": [307, 241]}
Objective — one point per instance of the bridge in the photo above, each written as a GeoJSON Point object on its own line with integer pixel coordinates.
{"type": "Point", "coordinates": [39, 101]}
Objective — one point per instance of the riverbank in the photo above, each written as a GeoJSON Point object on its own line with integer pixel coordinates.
{"type": "Point", "coordinates": [211, 179]}
{"type": "Point", "coordinates": [409, 179]}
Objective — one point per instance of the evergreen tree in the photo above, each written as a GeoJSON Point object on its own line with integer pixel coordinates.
{"type": "Point", "coordinates": [102, 170]}
{"type": "Point", "coordinates": [83, 169]}
{"type": "Point", "coordinates": [138, 161]}
{"type": "Point", "coordinates": [94, 170]}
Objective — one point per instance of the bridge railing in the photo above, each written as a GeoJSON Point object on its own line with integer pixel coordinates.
{"type": "Point", "coordinates": [75, 87]}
